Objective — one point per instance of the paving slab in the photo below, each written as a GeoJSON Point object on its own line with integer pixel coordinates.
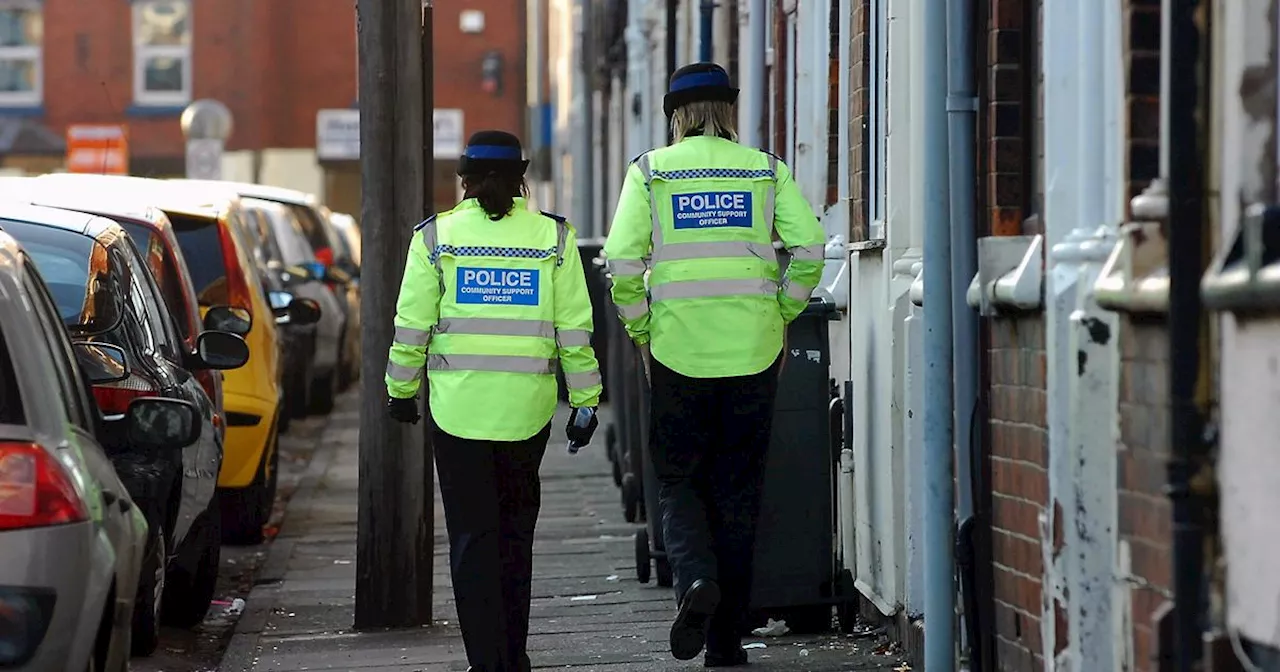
{"type": "Point", "coordinates": [589, 612]}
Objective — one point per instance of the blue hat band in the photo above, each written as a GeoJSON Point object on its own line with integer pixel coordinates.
{"type": "Point", "coordinates": [695, 80]}
{"type": "Point", "coordinates": [499, 152]}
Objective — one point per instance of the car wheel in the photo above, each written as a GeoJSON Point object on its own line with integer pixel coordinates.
{"type": "Point", "coordinates": [150, 600]}
{"type": "Point", "coordinates": [245, 511]}
{"type": "Point", "coordinates": [324, 393]}
{"type": "Point", "coordinates": [188, 593]}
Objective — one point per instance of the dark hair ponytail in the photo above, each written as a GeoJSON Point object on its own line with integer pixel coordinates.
{"type": "Point", "coordinates": [496, 192]}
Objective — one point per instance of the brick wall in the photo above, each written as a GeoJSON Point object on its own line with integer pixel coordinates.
{"type": "Point", "coordinates": [859, 133]}
{"type": "Point", "coordinates": [1142, 56]}
{"type": "Point", "coordinates": [833, 105]}
{"type": "Point", "coordinates": [1145, 512]}
{"type": "Point", "coordinates": [274, 63]}
{"type": "Point", "coordinates": [1016, 368]}
{"type": "Point", "coordinates": [1019, 481]}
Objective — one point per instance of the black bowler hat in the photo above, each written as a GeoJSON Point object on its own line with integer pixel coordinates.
{"type": "Point", "coordinates": [698, 82]}
{"type": "Point", "coordinates": [492, 152]}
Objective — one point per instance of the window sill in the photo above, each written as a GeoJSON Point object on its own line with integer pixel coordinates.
{"type": "Point", "coordinates": [21, 110]}
{"type": "Point", "coordinates": [1135, 279]}
{"type": "Point", "coordinates": [1010, 275]}
{"type": "Point", "coordinates": [143, 110]}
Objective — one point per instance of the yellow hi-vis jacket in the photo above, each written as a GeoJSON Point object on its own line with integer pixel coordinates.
{"type": "Point", "coordinates": [492, 308]}
{"type": "Point", "coordinates": [697, 220]}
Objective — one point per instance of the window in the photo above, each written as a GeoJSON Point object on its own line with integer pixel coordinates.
{"type": "Point", "coordinates": [145, 302]}
{"type": "Point", "coordinates": [21, 66]}
{"type": "Point", "coordinates": [73, 397]}
{"type": "Point", "coordinates": [75, 269]}
{"type": "Point", "coordinates": [164, 273]}
{"type": "Point", "coordinates": [11, 409]}
{"type": "Point", "coordinates": [162, 52]}
{"type": "Point", "coordinates": [202, 247]}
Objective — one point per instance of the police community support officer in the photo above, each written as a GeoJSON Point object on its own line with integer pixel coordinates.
{"type": "Point", "coordinates": [698, 217]}
{"type": "Point", "coordinates": [493, 294]}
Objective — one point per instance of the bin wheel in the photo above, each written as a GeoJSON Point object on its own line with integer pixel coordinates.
{"type": "Point", "coordinates": [642, 555]}
{"type": "Point", "coordinates": [630, 498]}
{"type": "Point", "coordinates": [665, 578]}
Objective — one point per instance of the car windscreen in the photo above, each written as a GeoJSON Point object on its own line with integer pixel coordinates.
{"type": "Point", "coordinates": [76, 269]}
{"type": "Point", "coordinates": [294, 248]}
{"type": "Point", "coordinates": [202, 247]}
{"type": "Point", "coordinates": [11, 411]}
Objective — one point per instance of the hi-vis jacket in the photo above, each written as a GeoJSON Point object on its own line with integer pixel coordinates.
{"type": "Point", "coordinates": [491, 306]}
{"type": "Point", "coordinates": [698, 218]}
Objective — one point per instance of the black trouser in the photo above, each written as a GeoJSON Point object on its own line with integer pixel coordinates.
{"type": "Point", "coordinates": [491, 496]}
{"type": "Point", "coordinates": [710, 442]}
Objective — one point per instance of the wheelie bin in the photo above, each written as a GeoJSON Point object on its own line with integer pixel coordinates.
{"type": "Point", "coordinates": [602, 312]}
{"type": "Point", "coordinates": [622, 436]}
{"type": "Point", "coordinates": [797, 577]}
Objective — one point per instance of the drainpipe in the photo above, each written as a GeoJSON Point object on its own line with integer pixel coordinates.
{"type": "Point", "coordinates": [1186, 243]}
{"type": "Point", "coordinates": [584, 184]}
{"type": "Point", "coordinates": [962, 109]}
{"type": "Point", "coordinates": [673, 28]}
{"type": "Point", "coordinates": [939, 519]}
{"type": "Point", "coordinates": [751, 53]}
{"type": "Point", "coordinates": [705, 48]}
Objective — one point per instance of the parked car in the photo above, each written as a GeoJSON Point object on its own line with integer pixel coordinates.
{"type": "Point", "coordinates": [153, 235]}
{"type": "Point", "coordinates": [314, 222]}
{"type": "Point", "coordinates": [72, 540]}
{"type": "Point", "coordinates": [105, 294]}
{"type": "Point", "coordinates": [350, 229]}
{"type": "Point", "coordinates": [290, 259]}
{"type": "Point", "coordinates": [347, 258]}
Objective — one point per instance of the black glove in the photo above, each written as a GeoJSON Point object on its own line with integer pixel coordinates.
{"type": "Point", "coordinates": [404, 410]}
{"type": "Point", "coordinates": [582, 425]}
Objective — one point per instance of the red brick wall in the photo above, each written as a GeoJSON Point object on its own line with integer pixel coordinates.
{"type": "Point", "coordinates": [1016, 371]}
{"type": "Point", "coordinates": [273, 62]}
{"type": "Point", "coordinates": [1145, 512]}
{"type": "Point", "coordinates": [1020, 484]}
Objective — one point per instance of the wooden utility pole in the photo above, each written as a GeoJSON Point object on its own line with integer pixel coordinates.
{"type": "Point", "coordinates": [395, 538]}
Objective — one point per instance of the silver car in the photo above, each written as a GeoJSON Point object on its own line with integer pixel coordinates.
{"type": "Point", "coordinates": [71, 540]}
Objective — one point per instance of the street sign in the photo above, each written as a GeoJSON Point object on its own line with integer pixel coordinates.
{"type": "Point", "coordinates": [204, 159]}
{"type": "Point", "coordinates": [98, 148]}
{"type": "Point", "coordinates": [338, 134]}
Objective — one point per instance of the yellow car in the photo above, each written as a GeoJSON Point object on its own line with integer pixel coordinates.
{"type": "Point", "coordinates": [207, 223]}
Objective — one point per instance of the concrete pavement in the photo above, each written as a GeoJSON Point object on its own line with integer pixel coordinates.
{"type": "Point", "coordinates": [589, 612]}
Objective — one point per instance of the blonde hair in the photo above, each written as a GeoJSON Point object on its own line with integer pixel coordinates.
{"type": "Point", "coordinates": [713, 118]}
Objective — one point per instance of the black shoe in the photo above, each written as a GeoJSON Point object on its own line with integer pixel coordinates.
{"type": "Point", "coordinates": [689, 631]}
{"type": "Point", "coordinates": [728, 658]}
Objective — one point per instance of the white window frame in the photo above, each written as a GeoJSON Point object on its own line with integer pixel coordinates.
{"type": "Point", "coordinates": [33, 52]}
{"type": "Point", "coordinates": [143, 52]}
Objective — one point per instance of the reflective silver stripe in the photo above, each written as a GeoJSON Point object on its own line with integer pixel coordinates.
{"type": "Point", "coordinates": [730, 248]}
{"type": "Point", "coordinates": [499, 363]}
{"type": "Point", "coordinates": [626, 266]}
{"type": "Point", "coordinates": [698, 289]}
{"type": "Point", "coordinates": [583, 380]}
{"type": "Point", "coordinates": [769, 195]}
{"type": "Point", "coordinates": [797, 291]}
{"type": "Point", "coordinates": [807, 252]}
{"type": "Point", "coordinates": [496, 326]}
{"type": "Point", "coordinates": [410, 336]}
{"type": "Point", "coordinates": [403, 373]}
{"type": "Point", "coordinates": [633, 311]}
{"type": "Point", "coordinates": [573, 338]}
{"type": "Point", "coordinates": [429, 237]}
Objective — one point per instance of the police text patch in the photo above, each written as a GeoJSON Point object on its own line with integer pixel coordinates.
{"type": "Point", "coordinates": [712, 209]}
{"type": "Point", "coordinates": [498, 285]}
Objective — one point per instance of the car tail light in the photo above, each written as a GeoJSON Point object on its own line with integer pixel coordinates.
{"type": "Point", "coordinates": [237, 286]}
{"type": "Point", "coordinates": [35, 490]}
{"type": "Point", "coordinates": [324, 255]}
{"type": "Point", "coordinates": [114, 398]}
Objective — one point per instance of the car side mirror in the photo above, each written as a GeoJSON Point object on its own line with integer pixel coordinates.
{"type": "Point", "coordinates": [158, 423]}
{"type": "Point", "coordinates": [236, 321]}
{"type": "Point", "coordinates": [219, 350]}
{"type": "Point", "coordinates": [302, 312]}
{"type": "Point", "coordinates": [103, 363]}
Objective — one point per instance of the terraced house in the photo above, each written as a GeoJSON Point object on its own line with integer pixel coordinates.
{"type": "Point", "coordinates": [1050, 240]}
